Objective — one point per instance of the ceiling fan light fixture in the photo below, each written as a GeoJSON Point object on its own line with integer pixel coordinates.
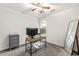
{"type": "Point", "coordinates": [53, 9]}
{"type": "Point", "coordinates": [39, 8]}
{"type": "Point", "coordinates": [41, 11]}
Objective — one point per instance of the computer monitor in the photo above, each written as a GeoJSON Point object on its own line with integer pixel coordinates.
{"type": "Point", "coordinates": [31, 31]}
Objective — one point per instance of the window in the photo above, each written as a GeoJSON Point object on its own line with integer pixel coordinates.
{"type": "Point", "coordinates": [43, 25]}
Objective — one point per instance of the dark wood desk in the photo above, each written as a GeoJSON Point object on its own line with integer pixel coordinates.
{"type": "Point", "coordinates": [30, 41]}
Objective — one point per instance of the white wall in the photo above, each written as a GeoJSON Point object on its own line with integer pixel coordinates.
{"type": "Point", "coordinates": [12, 22]}
{"type": "Point", "coordinates": [57, 25]}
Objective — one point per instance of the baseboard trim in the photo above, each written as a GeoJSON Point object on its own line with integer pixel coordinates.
{"type": "Point", "coordinates": [1, 51]}
{"type": "Point", "coordinates": [54, 45]}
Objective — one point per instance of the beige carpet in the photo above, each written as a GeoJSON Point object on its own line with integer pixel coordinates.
{"type": "Point", "coordinates": [51, 50]}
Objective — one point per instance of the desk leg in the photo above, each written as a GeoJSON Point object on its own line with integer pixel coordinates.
{"type": "Point", "coordinates": [30, 49]}
{"type": "Point", "coordinates": [45, 42]}
{"type": "Point", "coordinates": [25, 47]}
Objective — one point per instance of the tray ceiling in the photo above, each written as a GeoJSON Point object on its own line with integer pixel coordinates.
{"type": "Point", "coordinates": [26, 8]}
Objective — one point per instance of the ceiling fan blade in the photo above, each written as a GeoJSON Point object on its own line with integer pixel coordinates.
{"type": "Point", "coordinates": [35, 4]}
{"type": "Point", "coordinates": [34, 9]}
{"type": "Point", "coordinates": [39, 5]}
{"type": "Point", "coordinates": [27, 10]}
{"type": "Point", "coordinates": [46, 7]}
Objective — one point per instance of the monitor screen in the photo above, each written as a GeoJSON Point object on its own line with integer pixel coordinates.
{"type": "Point", "coordinates": [31, 31]}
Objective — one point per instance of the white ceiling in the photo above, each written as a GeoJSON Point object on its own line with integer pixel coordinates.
{"type": "Point", "coordinates": [25, 8]}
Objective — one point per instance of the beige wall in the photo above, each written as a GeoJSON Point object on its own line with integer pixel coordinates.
{"type": "Point", "coordinates": [57, 25]}
{"type": "Point", "coordinates": [12, 22]}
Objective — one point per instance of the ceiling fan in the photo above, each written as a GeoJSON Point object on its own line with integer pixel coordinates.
{"type": "Point", "coordinates": [42, 6]}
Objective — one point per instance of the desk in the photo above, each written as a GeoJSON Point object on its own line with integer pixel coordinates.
{"type": "Point", "coordinates": [30, 41]}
